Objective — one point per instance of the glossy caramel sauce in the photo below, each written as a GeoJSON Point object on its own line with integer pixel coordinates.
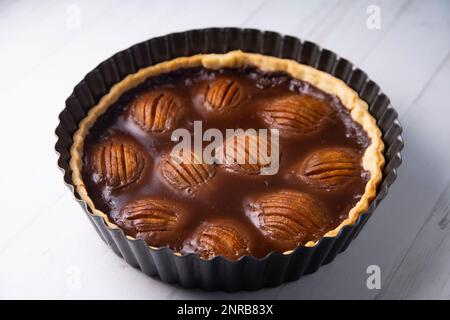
{"type": "Point", "coordinates": [215, 211]}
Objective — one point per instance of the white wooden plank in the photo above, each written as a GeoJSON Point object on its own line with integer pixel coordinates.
{"type": "Point", "coordinates": [13, 13]}
{"type": "Point", "coordinates": [348, 34]}
{"type": "Point", "coordinates": [404, 61]}
{"type": "Point", "coordinates": [48, 262]}
{"type": "Point", "coordinates": [39, 32]}
{"type": "Point", "coordinates": [424, 271]}
{"type": "Point", "coordinates": [295, 18]}
{"type": "Point", "coordinates": [337, 25]}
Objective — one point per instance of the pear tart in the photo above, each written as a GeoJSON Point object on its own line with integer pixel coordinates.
{"type": "Point", "coordinates": [328, 153]}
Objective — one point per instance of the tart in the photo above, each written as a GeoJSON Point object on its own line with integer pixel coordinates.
{"type": "Point", "coordinates": [329, 155]}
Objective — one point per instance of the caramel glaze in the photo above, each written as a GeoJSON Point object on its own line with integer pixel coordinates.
{"type": "Point", "coordinates": [226, 195]}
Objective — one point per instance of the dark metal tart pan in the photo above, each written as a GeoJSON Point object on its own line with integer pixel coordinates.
{"type": "Point", "coordinates": [247, 273]}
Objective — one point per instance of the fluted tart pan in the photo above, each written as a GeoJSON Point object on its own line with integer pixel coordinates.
{"type": "Point", "coordinates": [219, 273]}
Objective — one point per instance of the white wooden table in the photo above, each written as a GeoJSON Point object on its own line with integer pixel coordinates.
{"type": "Point", "coordinates": [48, 249]}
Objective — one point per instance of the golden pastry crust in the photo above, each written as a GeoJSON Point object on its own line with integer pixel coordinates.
{"type": "Point", "coordinates": [372, 161]}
